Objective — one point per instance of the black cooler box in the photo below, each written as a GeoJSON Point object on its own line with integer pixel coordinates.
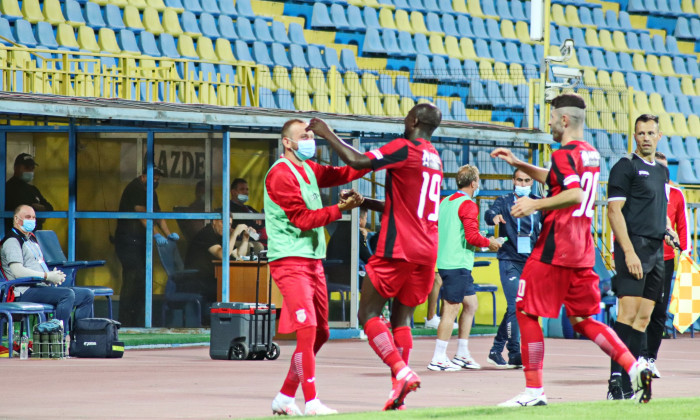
{"type": "Point", "coordinates": [239, 331]}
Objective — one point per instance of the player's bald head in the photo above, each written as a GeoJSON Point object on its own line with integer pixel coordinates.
{"type": "Point", "coordinates": [571, 105]}
{"type": "Point", "coordinates": [428, 116]}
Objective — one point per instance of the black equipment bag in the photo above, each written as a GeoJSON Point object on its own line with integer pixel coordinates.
{"type": "Point", "coordinates": [96, 337]}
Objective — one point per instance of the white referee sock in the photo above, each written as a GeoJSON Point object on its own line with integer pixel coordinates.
{"type": "Point", "coordinates": [440, 354]}
{"type": "Point", "coordinates": [463, 348]}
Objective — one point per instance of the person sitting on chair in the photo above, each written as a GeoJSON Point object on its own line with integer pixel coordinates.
{"type": "Point", "coordinates": [21, 256]}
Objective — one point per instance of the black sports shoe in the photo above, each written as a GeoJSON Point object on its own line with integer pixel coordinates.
{"type": "Point", "coordinates": [497, 360]}
{"type": "Point", "coordinates": [616, 391]}
{"type": "Point", "coordinates": [515, 361]}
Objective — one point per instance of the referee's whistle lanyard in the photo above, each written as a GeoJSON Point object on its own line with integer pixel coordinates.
{"type": "Point", "coordinates": [532, 221]}
{"type": "Point", "coordinates": [35, 249]}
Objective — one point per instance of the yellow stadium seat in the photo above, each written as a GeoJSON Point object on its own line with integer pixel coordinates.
{"type": "Point", "coordinates": [697, 84]}
{"type": "Point", "coordinates": [391, 106]}
{"type": "Point", "coordinates": [300, 82]}
{"type": "Point", "coordinates": [639, 63]}
{"type": "Point", "coordinates": [341, 105]}
{"type": "Point", "coordinates": [475, 10]}
{"type": "Point", "coordinates": [641, 103]}
{"type": "Point", "coordinates": [516, 74]}
{"type": "Point", "coordinates": [572, 17]}
{"type": "Point", "coordinates": [604, 79]}
{"type": "Point", "coordinates": [687, 6]}
{"type": "Point", "coordinates": [151, 21]}
{"type": "Point", "coordinates": [132, 18]}
{"type": "Point", "coordinates": [87, 40]}
{"type": "Point", "coordinates": [139, 4]}
{"type": "Point", "coordinates": [657, 104]}
{"type": "Point", "coordinates": [558, 15]}
{"type": "Point", "coordinates": [680, 125]}
{"type": "Point", "coordinates": [593, 121]}
{"type": "Point", "coordinates": [321, 102]}
{"type": "Point", "coordinates": [352, 84]}
{"type": "Point", "coordinates": [589, 78]}
{"type": "Point", "coordinates": [171, 23]}
{"type": "Point", "coordinates": [508, 30]}
{"type": "Point", "coordinates": [418, 24]}
{"type": "Point", "coordinates": [205, 49]}
{"type": "Point", "coordinates": [618, 80]}
{"type": "Point", "coordinates": [386, 20]}
{"type": "Point", "coordinates": [406, 105]}
{"type": "Point", "coordinates": [119, 3]}
{"type": "Point", "coordinates": [468, 52]}
{"type": "Point", "coordinates": [607, 121]}
{"type": "Point", "coordinates": [52, 12]}
{"type": "Point", "coordinates": [606, 40]}
{"type": "Point", "coordinates": [185, 46]}
{"type": "Point", "coordinates": [584, 93]}
{"type": "Point", "coordinates": [65, 36]}
{"type": "Point", "coordinates": [318, 82]}
{"type": "Point", "coordinates": [687, 86]}
{"type": "Point", "coordinates": [265, 79]}
{"type": "Point", "coordinates": [403, 21]}
{"type": "Point", "coordinates": [369, 85]}
{"type": "Point", "coordinates": [694, 124]}
{"type": "Point", "coordinates": [159, 5]}
{"type": "Point", "coordinates": [523, 32]}
{"type": "Point", "coordinates": [339, 88]}
{"type": "Point", "coordinates": [614, 101]}
{"type": "Point", "coordinates": [666, 66]}
{"type": "Point", "coordinates": [436, 45]}
{"type": "Point", "coordinates": [592, 39]}
{"type": "Point", "coordinates": [452, 47]}
{"type": "Point", "coordinates": [374, 106]}
{"type": "Point", "coordinates": [280, 76]}
{"type": "Point", "coordinates": [101, 2]}
{"type": "Point", "coordinates": [486, 70]}
{"type": "Point", "coordinates": [31, 10]}
{"type": "Point", "coordinates": [653, 64]}
{"type": "Point", "coordinates": [666, 125]}
{"type": "Point", "coordinates": [302, 102]}
{"type": "Point", "coordinates": [620, 42]}
{"type": "Point", "coordinates": [697, 7]}
{"type": "Point", "coordinates": [108, 41]}
{"type": "Point", "coordinates": [460, 6]}
{"type": "Point", "coordinates": [10, 8]}
{"type": "Point", "coordinates": [500, 72]}
{"type": "Point", "coordinates": [223, 51]}
{"type": "Point", "coordinates": [599, 102]}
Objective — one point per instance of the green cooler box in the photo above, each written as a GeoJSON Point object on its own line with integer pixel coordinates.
{"type": "Point", "coordinates": [239, 331]}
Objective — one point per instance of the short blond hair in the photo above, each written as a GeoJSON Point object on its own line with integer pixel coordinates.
{"type": "Point", "coordinates": [466, 175]}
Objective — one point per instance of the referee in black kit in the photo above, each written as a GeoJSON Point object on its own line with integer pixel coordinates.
{"type": "Point", "coordinates": [637, 212]}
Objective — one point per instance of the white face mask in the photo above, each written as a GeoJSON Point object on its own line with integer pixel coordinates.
{"type": "Point", "coordinates": [522, 191]}
{"type": "Point", "coordinates": [27, 176]}
{"type": "Point", "coordinates": [242, 198]}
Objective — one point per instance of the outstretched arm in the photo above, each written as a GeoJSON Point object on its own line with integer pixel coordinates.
{"type": "Point", "coordinates": [351, 156]}
{"type": "Point", "coordinates": [537, 173]}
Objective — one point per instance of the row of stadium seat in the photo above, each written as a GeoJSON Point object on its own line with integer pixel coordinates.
{"type": "Point", "coordinates": [666, 8]}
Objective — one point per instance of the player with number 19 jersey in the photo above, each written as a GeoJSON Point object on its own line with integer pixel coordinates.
{"type": "Point", "coordinates": [566, 233]}
{"type": "Point", "coordinates": [409, 222]}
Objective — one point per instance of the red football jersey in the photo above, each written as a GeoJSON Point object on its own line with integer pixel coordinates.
{"type": "Point", "coordinates": [566, 238]}
{"type": "Point", "coordinates": [409, 222]}
{"type": "Point", "coordinates": [679, 220]}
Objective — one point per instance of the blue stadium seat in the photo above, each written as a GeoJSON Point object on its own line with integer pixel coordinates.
{"type": "Point", "coordinates": [267, 100]}
{"type": "Point", "coordinates": [645, 42]}
{"type": "Point", "coordinates": [531, 72]}
{"type": "Point", "coordinates": [459, 113]}
{"type": "Point", "coordinates": [672, 46]}
{"type": "Point", "coordinates": [611, 21]}
{"type": "Point", "coordinates": [432, 22]}
{"type": "Point", "coordinates": [626, 62]}
{"type": "Point", "coordinates": [676, 143]}
{"type": "Point", "coordinates": [554, 35]}
{"type": "Point", "coordinates": [632, 80]}
{"type": "Point", "coordinates": [331, 57]}
{"type": "Point", "coordinates": [211, 7]}
{"type": "Point", "coordinates": [497, 52]}
{"type": "Point", "coordinates": [471, 70]}
{"type": "Point", "coordinates": [6, 35]}
{"type": "Point", "coordinates": [455, 70]}
{"type": "Point", "coordinates": [604, 171]}
{"type": "Point", "coordinates": [192, 6]}
{"type": "Point", "coordinates": [444, 108]}
{"type": "Point", "coordinates": [539, 52]}
{"type": "Point", "coordinates": [674, 86]}
{"type": "Point", "coordinates": [580, 38]}
{"type": "Point", "coordinates": [227, 70]}
{"type": "Point", "coordinates": [167, 46]}
{"type": "Point", "coordinates": [314, 57]}
{"type": "Point", "coordinates": [242, 52]}
{"type": "Point", "coordinates": [503, 9]}
{"type": "Point", "coordinates": [279, 56]}
{"type": "Point", "coordinates": [320, 17]}
{"type": "Point", "coordinates": [494, 95]}
{"type": "Point", "coordinates": [403, 87]}
{"type": "Point", "coordinates": [528, 55]}
{"type": "Point", "coordinates": [113, 18]}
{"type": "Point", "coordinates": [261, 54]}
{"type": "Point", "coordinates": [670, 104]}
{"type": "Point", "coordinates": [477, 95]}
{"type": "Point", "coordinates": [564, 33]}
{"type": "Point", "coordinates": [45, 36]}
{"type": "Point", "coordinates": [523, 92]}
{"type": "Point", "coordinates": [691, 146]}
{"type": "Point", "coordinates": [296, 34]}
{"type": "Point", "coordinates": [686, 173]}
{"type": "Point", "coordinates": [446, 7]}
{"type": "Point", "coordinates": [617, 142]}
{"type": "Point", "coordinates": [227, 8]}
{"type": "Point", "coordinates": [24, 34]}
{"type": "Point", "coordinates": [389, 42]}
{"type": "Point", "coordinates": [626, 24]}
{"type": "Point", "coordinates": [93, 16]}
{"type": "Point", "coordinates": [423, 70]}
{"type": "Point", "coordinates": [684, 106]}
{"type": "Point", "coordinates": [479, 28]}
{"type": "Point", "coordinates": [511, 97]}
{"type": "Point", "coordinates": [664, 148]}
{"type": "Point", "coordinates": [421, 42]}
{"type": "Point", "coordinates": [632, 40]}
{"type": "Point", "coordinates": [450, 26]}
{"type": "Point", "coordinates": [73, 12]}
{"type": "Point", "coordinates": [482, 49]}
{"type": "Point", "coordinates": [262, 31]}
{"type": "Point", "coordinates": [340, 20]}
{"type": "Point", "coordinates": [296, 53]}
{"type": "Point", "coordinates": [682, 30]}
{"type": "Point", "coordinates": [189, 24]}
{"type": "Point", "coordinates": [584, 15]}
{"type": "Point", "coordinates": [370, 16]}
{"type": "Point", "coordinates": [244, 9]}
{"type": "Point", "coordinates": [663, 8]}
{"type": "Point", "coordinates": [660, 85]}
{"type": "Point", "coordinates": [373, 43]}
{"type": "Point", "coordinates": [416, 5]}
{"type": "Point", "coordinates": [692, 66]}
{"type": "Point", "coordinates": [596, 56]}
{"type": "Point", "coordinates": [347, 59]}
{"type": "Point", "coordinates": [355, 22]}
{"type": "Point", "coordinates": [612, 61]}
{"type": "Point", "coordinates": [432, 6]}
{"type": "Point", "coordinates": [464, 27]}
{"type": "Point", "coordinates": [519, 10]}
{"type": "Point", "coordinates": [207, 23]}
{"type": "Point", "coordinates": [406, 43]}
{"type": "Point", "coordinates": [279, 33]}
{"type": "Point", "coordinates": [127, 42]}
{"type": "Point", "coordinates": [244, 29]}
{"type": "Point", "coordinates": [226, 28]}
{"type": "Point", "coordinates": [386, 85]}
{"type": "Point", "coordinates": [659, 46]}
{"type": "Point", "coordinates": [602, 143]}
{"type": "Point", "coordinates": [440, 70]}
{"type": "Point", "coordinates": [493, 29]}
{"type": "Point", "coordinates": [647, 83]}
{"type": "Point", "coordinates": [638, 6]}
{"type": "Point", "coordinates": [147, 44]}
{"type": "Point", "coordinates": [175, 4]}
{"type": "Point", "coordinates": [598, 19]}
{"type": "Point", "coordinates": [695, 27]}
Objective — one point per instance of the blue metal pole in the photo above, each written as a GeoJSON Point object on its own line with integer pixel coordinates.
{"type": "Point", "coordinates": [3, 152]}
{"type": "Point", "coordinates": [72, 187]}
{"type": "Point", "coordinates": [149, 229]}
{"type": "Point", "coordinates": [226, 204]}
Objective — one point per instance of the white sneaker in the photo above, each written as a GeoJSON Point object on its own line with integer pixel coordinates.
{"type": "Point", "coordinates": [443, 365]}
{"type": "Point", "coordinates": [284, 405]}
{"type": "Point", "coordinates": [525, 399]}
{"type": "Point", "coordinates": [316, 408]}
{"type": "Point", "coordinates": [466, 362]}
{"type": "Point", "coordinates": [654, 370]}
{"type": "Point", "coordinates": [641, 375]}
{"type": "Point", "coordinates": [432, 322]}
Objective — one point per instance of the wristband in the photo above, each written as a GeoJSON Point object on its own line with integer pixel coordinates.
{"type": "Point", "coordinates": [45, 275]}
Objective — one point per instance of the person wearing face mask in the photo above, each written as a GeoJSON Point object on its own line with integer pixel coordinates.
{"type": "Point", "coordinates": [239, 196]}
{"type": "Point", "coordinates": [521, 235]}
{"type": "Point", "coordinates": [19, 190]}
{"type": "Point", "coordinates": [294, 218]}
{"type": "Point", "coordinates": [130, 244]}
{"type": "Point", "coordinates": [21, 256]}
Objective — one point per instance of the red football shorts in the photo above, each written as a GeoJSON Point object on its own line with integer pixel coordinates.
{"type": "Point", "coordinates": [302, 283]}
{"type": "Point", "coordinates": [544, 288]}
{"type": "Point", "coordinates": [410, 283]}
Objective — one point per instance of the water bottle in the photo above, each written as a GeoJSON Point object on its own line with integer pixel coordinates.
{"type": "Point", "coordinates": [24, 347]}
{"type": "Point", "coordinates": [66, 350]}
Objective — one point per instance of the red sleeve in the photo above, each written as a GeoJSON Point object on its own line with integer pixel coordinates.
{"type": "Point", "coordinates": [391, 155]}
{"type": "Point", "coordinates": [469, 215]}
{"type": "Point", "coordinates": [332, 176]}
{"type": "Point", "coordinates": [564, 169]}
{"type": "Point", "coordinates": [284, 190]}
{"type": "Point", "coordinates": [681, 222]}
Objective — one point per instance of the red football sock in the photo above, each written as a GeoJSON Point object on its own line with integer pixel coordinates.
{"type": "Point", "coordinates": [532, 349]}
{"type": "Point", "coordinates": [403, 339]}
{"type": "Point", "coordinates": [382, 343]}
{"type": "Point", "coordinates": [607, 340]}
{"type": "Point", "coordinates": [303, 366]}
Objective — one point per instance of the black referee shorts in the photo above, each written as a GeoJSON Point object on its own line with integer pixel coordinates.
{"type": "Point", "coordinates": [651, 254]}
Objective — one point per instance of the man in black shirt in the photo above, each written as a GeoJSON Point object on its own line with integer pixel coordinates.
{"type": "Point", "coordinates": [637, 212]}
{"type": "Point", "coordinates": [239, 196]}
{"type": "Point", "coordinates": [18, 189]}
{"type": "Point", "coordinates": [130, 244]}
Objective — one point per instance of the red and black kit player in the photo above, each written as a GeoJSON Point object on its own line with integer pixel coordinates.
{"type": "Point", "coordinates": [403, 265]}
{"type": "Point", "coordinates": [560, 268]}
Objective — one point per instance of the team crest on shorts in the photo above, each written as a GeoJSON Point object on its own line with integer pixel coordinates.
{"type": "Point", "coordinates": [301, 315]}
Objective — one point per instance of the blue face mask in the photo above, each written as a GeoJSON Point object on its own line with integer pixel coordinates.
{"type": "Point", "coordinates": [307, 149]}
{"type": "Point", "coordinates": [476, 193]}
{"type": "Point", "coordinates": [522, 191]}
{"type": "Point", "coordinates": [27, 176]}
{"type": "Point", "coordinates": [28, 225]}
{"type": "Point", "coordinates": [242, 198]}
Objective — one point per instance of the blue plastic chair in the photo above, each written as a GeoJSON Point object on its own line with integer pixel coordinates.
{"type": "Point", "coordinates": [331, 57]}
{"type": "Point", "coordinates": [167, 45]}
{"type": "Point", "coordinates": [207, 23]}
{"type": "Point", "coordinates": [296, 55]}
{"type": "Point", "coordinates": [660, 85]}
{"type": "Point", "coordinates": [227, 8]}
{"type": "Point", "coordinates": [494, 95]}
{"type": "Point", "coordinates": [626, 62]}
{"type": "Point", "coordinates": [682, 30]}
{"type": "Point", "coordinates": [403, 87]}
{"type": "Point", "coordinates": [493, 29]}
{"type": "Point", "coordinates": [497, 52]}
{"type": "Point", "coordinates": [192, 6]}
{"type": "Point", "coordinates": [423, 70]}
{"type": "Point", "coordinates": [245, 9]}
{"type": "Point", "coordinates": [421, 42]}
{"type": "Point", "coordinates": [6, 32]}
{"type": "Point", "coordinates": [416, 5]}
{"type": "Point", "coordinates": [189, 23]}
{"type": "Point", "coordinates": [611, 20]}
{"type": "Point", "coordinates": [446, 7]}
{"type": "Point", "coordinates": [370, 17]}
{"type": "Point", "coordinates": [355, 22]}
{"type": "Point", "coordinates": [692, 66]}
{"type": "Point", "coordinates": [93, 16]}
{"type": "Point", "coordinates": [691, 146]}
{"type": "Point", "coordinates": [262, 31]}
{"type": "Point", "coordinates": [444, 108]}
{"type": "Point", "coordinates": [386, 85]}
{"type": "Point", "coordinates": [695, 27]}
{"type": "Point", "coordinates": [279, 33]}
{"type": "Point", "coordinates": [512, 53]}
{"type": "Point", "coordinates": [585, 16]}
{"type": "Point", "coordinates": [176, 272]}
{"type": "Point", "coordinates": [261, 54]}
{"type": "Point", "coordinates": [127, 42]}
{"type": "Point", "coordinates": [389, 42]}
{"type": "Point", "coordinates": [449, 26]}
{"type": "Point", "coordinates": [373, 43]}
{"type": "Point", "coordinates": [148, 45]}
{"type": "Point", "coordinates": [24, 34]}
{"type": "Point", "coordinates": [45, 36]}
{"type": "Point", "coordinates": [471, 69]}
{"type": "Point", "coordinates": [503, 9]}
{"type": "Point", "coordinates": [176, 4]}
{"type": "Point", "coordinates": [347, 59]}
{"type": "Point", "coordinates": [296, 34]}
{"type": "Point", "coordinates": [432, 22]}
{"type": "Point", "coordinates": [284, 99]}
{"type": "Point", "coordinates": [313, 55]}
{"type": "Point", "coordinates": [73, 11]}
{"type": "Point", "coordinates": [245, 30]}
{"type": "Point", "coordinates": [458, 111]}
{"type": "Point", "coordinates": [267, 99]}
{"type": "Point", "coordinates": [686, 173]}
{"type": "Point", "coordinates": [477, 95]}
{"type": "Point", "coordinates": [455, 70]}
{"type": "Point", "coordinates": [479, 28]}
{"type": "Point", "coordinates": [338, 17]}
{"type": "Point", "coordinates": [408, 49]}
{"type": "Point", "coordinates": [482, 49]}
{"type": "Point", "coordinates": [113, 17]}
{"type": "Point", "coordinates": [226, 28]}
{"type": "Point", "coordinates": [464, 27]}
{"type": "Point", "coordinates": [320, 17]}
{"type": "Point", "coordinates": [211, 7]}
{"type": "Point", "coordinates": [664, 147]}
{"type": "Point", "coordinates": [519, 10]}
